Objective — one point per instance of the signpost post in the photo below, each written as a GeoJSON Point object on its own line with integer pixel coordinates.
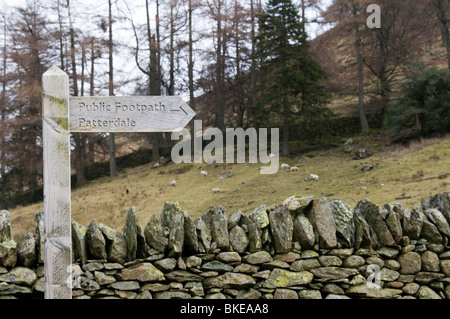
{"type": "Point", "coordinates": [56, 153]}
{"type": "Point", "coordinates": [63, 114]}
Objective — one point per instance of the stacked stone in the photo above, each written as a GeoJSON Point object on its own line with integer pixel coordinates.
{"type": "Point", "coordinates": [19, 274]}
{"type": "Point", "coordinates": [305, 248]}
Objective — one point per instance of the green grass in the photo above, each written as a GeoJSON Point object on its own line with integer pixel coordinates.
{"type": "Point", "coordinates": [398, 172]}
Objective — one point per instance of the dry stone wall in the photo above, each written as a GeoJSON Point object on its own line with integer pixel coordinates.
{"type": "Point", "coordinates": [304, 248]}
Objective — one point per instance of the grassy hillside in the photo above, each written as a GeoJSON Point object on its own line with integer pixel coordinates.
{"type": "Point", "coordinates": [416, 171]}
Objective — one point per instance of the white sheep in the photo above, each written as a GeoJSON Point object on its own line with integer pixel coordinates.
{"type": "Point", "coordinates": [313, 177]}
{"type": "Point", "coordinates": [216, 190]}
{"type": "Point", "coordinates": [203, 173]}
{"type": "Point", "coordinates": [156, 165]}
{"type": "Point", "coordinates": [285, 166]}
{"type": "Point", "coordinates": [173, 183]}
{"type": "Point", "coordinates": [294, 169]}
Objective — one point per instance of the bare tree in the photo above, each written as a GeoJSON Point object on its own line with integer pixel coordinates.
{"type": "Point", "coordinates": [72, 52]}
{"type": "Point", "coordinates": [3, 113]}
{"type": "Point", "coordinates": [441, 8]}
{"type": "Point", "coordinates": [176, 24]}
{"type": "Point", "coordinates": [389, 49]}
{"type": "Point", "coordinates": [217, 11]}
{"type": "Point", "coordinates": [255, 9]}
{"type": "Point", "coordinates": [31, 55]}
{"type": "Point", "coordinates": [112, 142]}
{"type": "Point", "coordinates": [93, 139]}
{"type": "Point", "coordinates": [79, 140]}
{"type": "Point", "coordinates": [151, 66]}
{"type": "Point", "coordinates": [351, 15]}
{"type": "Point", "coordinates": [359, 62]}
{"type": "Point", "coordinates": [191, 68]}
{"type": "Point", "coordinates": [238, 88]}
{"type": "Point", "coordinates": [60, 36]}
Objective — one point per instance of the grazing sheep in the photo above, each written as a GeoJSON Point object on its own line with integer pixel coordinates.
{"type": "Point", "coordinates": [313, 177]}
{"type": "Point", "coordinates": [156, 165]}
{"type": "Point", "coordinates": [127, 191]}
{"type": "Point", "coordinates": [294, 169]}
{"type": "Point", "coordinates": [216, 190]}
{"type": "Point", "coordinates": [173, 183]}
{"type": "Point", "coordinates": [203, 173]}
{"type": "Point", "coordinates": [285, 166]}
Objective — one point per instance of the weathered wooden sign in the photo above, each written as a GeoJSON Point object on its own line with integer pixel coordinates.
{"type": "Point", "coordinates": [62, 115]}
{"type": "Point", "coordinates": [129, 114]}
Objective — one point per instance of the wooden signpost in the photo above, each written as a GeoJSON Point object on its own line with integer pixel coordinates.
{"type": "Point", "coordinates": [128, 114]}
{"type": "Point", "coordinates": [62, 115]}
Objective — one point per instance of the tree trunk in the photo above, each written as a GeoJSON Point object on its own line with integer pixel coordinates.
{"type": "Point", "coordinates": [112, 155]}
{"type": "Point", "coordinates": [72, 52]}
{"type": "Point", "coordinates": [80, 143]}
{"type": "Point", "coordinates": [61, 42]}
{"type": "Point", "coordinates": [155, 141]}
{"type": "Point", "coordinates": [3, 120]}
{"type": "Point", "coordinates": [384, 101]}
{"type": "Point", "coordinates": [286, 148]}
{"type": "Point", "coordinates": [91, 77]}
{"type": "Point", "coordinates": [83, 64]}
{"type": "Point", "coordinates": [220, 105]}
{"type": "Point", "coordinates": [91, 149]}
{"type": "Point", "coordinates": [239, 90]}
{"type": "Point", "coordinates": [253, 73]}
{"type": "Point", "coordinates": [171, 88]}
{"type": "Point", "coordinates": [383, 76]}
{"type": "Point", "coordinates": [32, 181]}
{"type": "Point", "coordinates": [78, 138]}
{"type": "Point", "coordinates": [362, 111]}
{"type": "Point", "coordinates": [191, 73]}
{"type": "Point", "coordinates": [284, 58]}
{"type": "Point", "coordinates": [2, 146]}
{"type": "Point", "coordinates": [158, 47]}
{"type": "Point", "coordinates": [154, 75]}
{"type": "Point", "coordinates": [92, 138]}
{"type": "Point", "coordinates": [444, 21]}
{"type": "Point", "coordinates": [112, 138]}
{"type": "Point", "coordinates": [155, 80]}
{"type": "Point", "coordinates": [303, 4]}
{"type": "Point", "coordinates": [110, 50]}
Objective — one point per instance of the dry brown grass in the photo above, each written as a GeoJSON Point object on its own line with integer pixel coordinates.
{"type": "Point", "coordinates": [397, 172]}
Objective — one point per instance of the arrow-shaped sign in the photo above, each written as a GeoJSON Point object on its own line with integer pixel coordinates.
{"type": "Point", "coordinates": [129, 114]}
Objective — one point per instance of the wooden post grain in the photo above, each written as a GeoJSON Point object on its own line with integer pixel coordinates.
{"type": "Point", "coordinates": [56, 153]}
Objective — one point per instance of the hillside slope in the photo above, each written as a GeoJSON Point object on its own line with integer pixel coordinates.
{"type": "Point", "coordinates": [411, 173]}
{"type": "Point", "coordinates": [335, 51]}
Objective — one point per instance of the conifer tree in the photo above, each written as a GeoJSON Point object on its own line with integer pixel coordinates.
{"type": "Point", "coordinates": [290, 94]}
